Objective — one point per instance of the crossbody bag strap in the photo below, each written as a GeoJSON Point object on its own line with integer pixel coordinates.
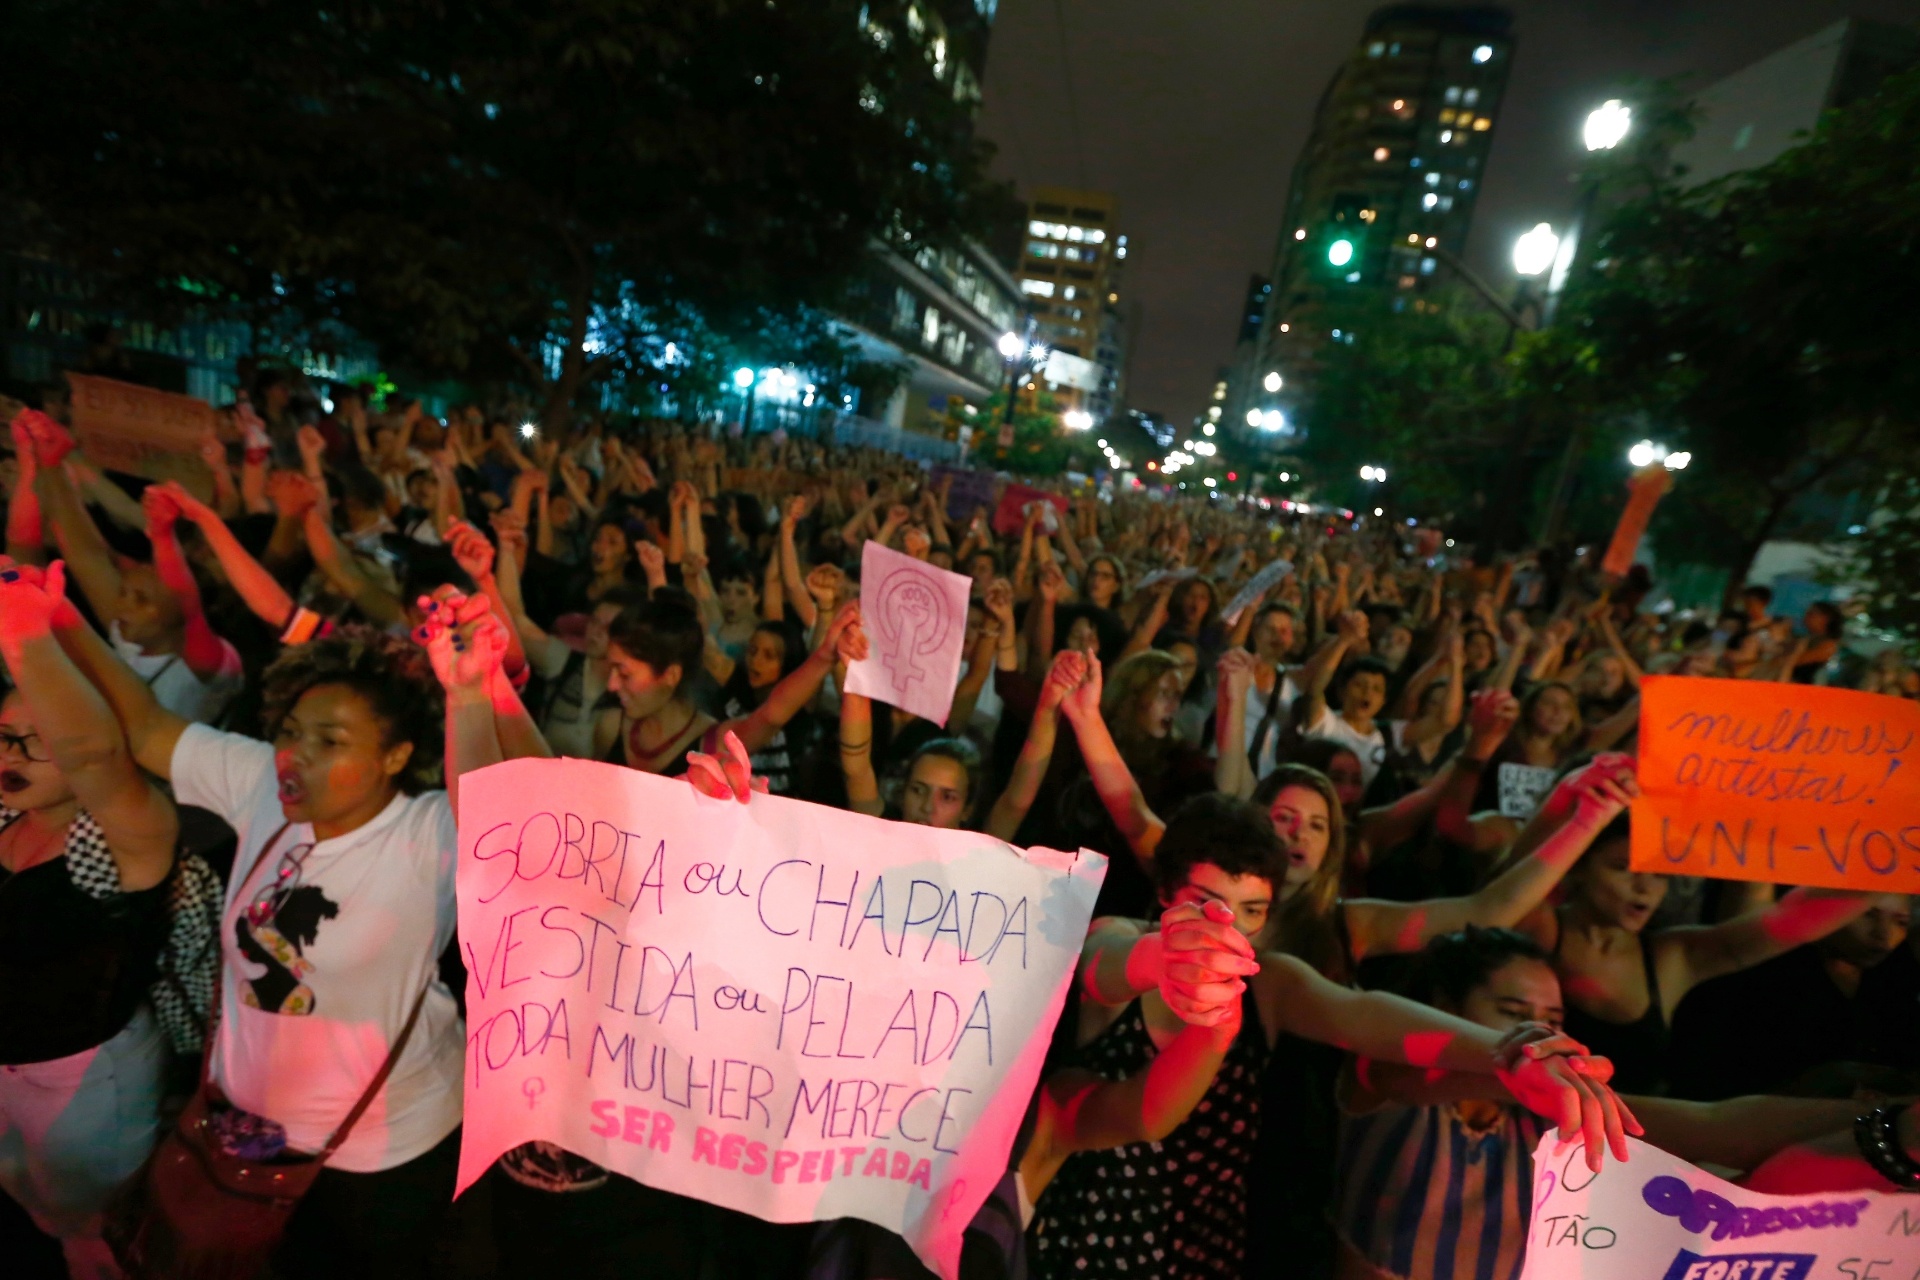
{"type": "Point", "coordinates": [379, 1079]}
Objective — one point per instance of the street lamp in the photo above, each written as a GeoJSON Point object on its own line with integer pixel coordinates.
{"type": "Point", "coordinates": [1077, 419]}
{"type": "Point", "coordinates": [1535, 251]}
{"type": "Point", "coordinates": [1272, 381]}
{"type": "Point", "coordinates": [1607, 125]}
{"type": "Point", "coordinates": [1646, 453]}
{"type": "Point", "coordinates": [1011, 345]}
{"type": "Point", "coordinates": [1340, 252]}
{"type": "Point", "coordinates": [1376, 475]}
{"type": "Point", "coordinates": [743, 378]}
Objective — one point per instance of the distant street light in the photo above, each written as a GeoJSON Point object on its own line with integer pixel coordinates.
{"type": "Point", "coordinates": [1011, 345]}
{"type": "Point", "coordinates": [1340, 252]}
{"type": "Point", "coordinates": [743, 378]}
{"type": "Point", "coordinates": [1378, 475]}
{"type": "Point", "coordinates": [1253, 417]}
{"type": "Point", "coordinates": [1077, 419]}
{"type": "Point", "coordinates": [1272, 381]}
{"type": "Point", "coordinates": [1607, 125]}
{"type": "Point", "coordinates": [1535, 251]}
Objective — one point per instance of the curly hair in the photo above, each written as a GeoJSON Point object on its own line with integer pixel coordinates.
{"type": "Point", "coordinates": [391, 674]}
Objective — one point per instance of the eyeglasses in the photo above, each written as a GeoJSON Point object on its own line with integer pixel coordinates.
{"type": "Point", "coordinates": [18, 742]}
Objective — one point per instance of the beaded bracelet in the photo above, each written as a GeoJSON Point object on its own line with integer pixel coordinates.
{"type": "Point", "coordinates": [1879, 1144]}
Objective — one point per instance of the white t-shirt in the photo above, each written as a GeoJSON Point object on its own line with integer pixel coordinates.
{"type": "Point", "coordinates": [1371, 748]}
{"type": "Point", "coordinates": [174, 685]}
{"type": "Point", "coordinates": [311, 1001]}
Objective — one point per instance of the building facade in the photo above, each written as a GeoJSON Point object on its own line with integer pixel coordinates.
{"type": "Point", "coordinates": [937, 311]}
{"type": "Point", "coordinates": [1390, 172]}
{"type": "Point", "coordinates": [1761, 110]}
{"type": "Point", "coordinates": [1072, 259]}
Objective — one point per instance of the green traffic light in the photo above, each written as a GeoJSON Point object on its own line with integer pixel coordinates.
{"type": "Point", "coordinates": [1340, 252]}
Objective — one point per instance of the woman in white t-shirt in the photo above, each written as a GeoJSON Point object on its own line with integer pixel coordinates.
{"type": "Point", "coordinates": [340, 903]}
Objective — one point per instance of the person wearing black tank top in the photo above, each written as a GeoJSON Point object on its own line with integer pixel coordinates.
{"type": "Point", "coordinates": [80, 933]}
{"type": "Point", "coordinates": [1222, 851]}
{"type": "Point", "coordinates": [1622, 984]}
{"type": "Point", "coordinates": [653, 653]}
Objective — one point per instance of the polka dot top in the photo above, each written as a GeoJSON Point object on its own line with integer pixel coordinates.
{"type": "Point", "coordinates": [1169, 1209]}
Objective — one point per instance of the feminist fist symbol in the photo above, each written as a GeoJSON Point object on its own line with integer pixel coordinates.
{"type": "Point", "coordinates": [533, 1087]}
{"type": "Point", "coordinates": [913, 620]}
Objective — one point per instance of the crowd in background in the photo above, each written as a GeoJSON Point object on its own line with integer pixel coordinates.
{"type": "Point", "coordinates": [1385, 796]}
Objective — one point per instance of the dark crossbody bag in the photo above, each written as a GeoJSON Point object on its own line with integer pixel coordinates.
{"type": "Point", "coordinates": [196, 1212]}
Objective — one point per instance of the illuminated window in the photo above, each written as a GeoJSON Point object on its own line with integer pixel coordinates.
{"type": "Point", "coordinates": [1377, 48]}
{"type": "Point", "coordinates": [1036, 228]}
{"type": "Point", "coordinates": [930, 326]}
{"type": "Point", "coordinates": [1039, 288]}
{"type": "Point", "coordinates": [1067, 293]}
{"type": "Point", "coordinates": [1446, 135]}
{"type": "Point", "coordinates": [1452, 94]}
{"type": "Point", "coordinates": [1483, 124]}
{"type": "Point", "coordinates": [1381, 153]}
{"type": "Point", "coordinates": [1433, 179]}
{"type": "Point", "coordinates": [1446, 116]}
{"type": "Point", "coordinates": [1470, 97]}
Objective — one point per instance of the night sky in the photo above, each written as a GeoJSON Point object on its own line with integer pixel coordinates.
{"type": "Point", "coordinates": [1193, 111]}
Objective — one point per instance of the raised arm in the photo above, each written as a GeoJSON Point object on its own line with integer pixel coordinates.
{"type": "Point", "coordinates": [260, 590]}
{"type": "Point", "coordinates": [26, 528]}
{"type": "Point", "coordinates": [472, 552]}
{"type": "Point", "coordinates": [1069, 671]}
{"type": "Point", "coordinates": [1492, 718]}
{"type": "Point", "coordinates": [151, 730]}
{"type": "Point", "coordinates": [1317, 673]}
{"type": "Point", "coordinates": [77, 728]}
{"type": "Point", "coordinates": [1802, 916]}
{"type": "Point", "coordinates": [796, 689]}
{"type": "Point", "coordinates": [89, 559]}
{"type": "Point", "coordinates": [1232, 770]}
{"type": "Point", "coordinates": [856, 729]}
{"type": "Point", "coordinates": [1604, 789]}
{"type": "Point", "coordinates": [340, 570]}
{"type": "Point", "coordinates": [203, 651]}
{"type": "Point", "coordinates": [792, 512]}
{"type": "Point", "coordinates": [1118, 789]}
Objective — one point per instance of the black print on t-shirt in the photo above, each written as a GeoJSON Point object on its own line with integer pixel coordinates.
{"type": "Point", "coordinates": [280, 947]}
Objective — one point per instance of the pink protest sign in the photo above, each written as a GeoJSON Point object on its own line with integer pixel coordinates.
{"type": "Point", "coordinates": [793, 1011]}
{"type": "Point", "coordinates": [916, 620]}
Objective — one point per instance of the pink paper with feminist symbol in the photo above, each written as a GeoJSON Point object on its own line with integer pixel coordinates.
{"type": "Point", "coordinates": [916, 620]}
{"type": "Point", "coordinates": [785, 1009]}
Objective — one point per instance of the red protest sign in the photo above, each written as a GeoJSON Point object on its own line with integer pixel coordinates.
{"type": "Point", "coordinates": [1010, 517]}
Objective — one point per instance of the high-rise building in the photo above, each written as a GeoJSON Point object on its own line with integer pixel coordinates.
{"type": "Point", "coordinates": [1237, 385]}
{"type": "Point", "coordinates": [1390, 173]}
{"type": "Point", "coordinates": [939, 311]}
{"type": "Point", "coordinates": [1069, 273]}
{"type": "Point", "coordinates": [1761, 110]}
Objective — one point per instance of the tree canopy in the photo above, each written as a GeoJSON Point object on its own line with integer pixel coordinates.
{"type": "Point", "coordinates": [544, 192]}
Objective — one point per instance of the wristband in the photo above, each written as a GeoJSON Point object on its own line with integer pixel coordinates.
{"type": "Point", "coordinates": [1879, 1141]}
{"type": "Point", "coordinates": [305, 625]}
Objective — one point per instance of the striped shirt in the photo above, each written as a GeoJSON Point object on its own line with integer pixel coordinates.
{"type": "Point", "coordinates": [1423, 1196]}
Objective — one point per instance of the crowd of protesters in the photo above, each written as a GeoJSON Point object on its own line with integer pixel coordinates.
{"type": "Point", "coordinates": [1368, 929]}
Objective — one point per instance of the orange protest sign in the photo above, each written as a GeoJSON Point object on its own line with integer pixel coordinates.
{"type": "Point", "coordinates": [1792, 784]}
{"type": "Point", "coordinates": [1644, 491]}
{"type": "Point", "coordinates": [140, 431]}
